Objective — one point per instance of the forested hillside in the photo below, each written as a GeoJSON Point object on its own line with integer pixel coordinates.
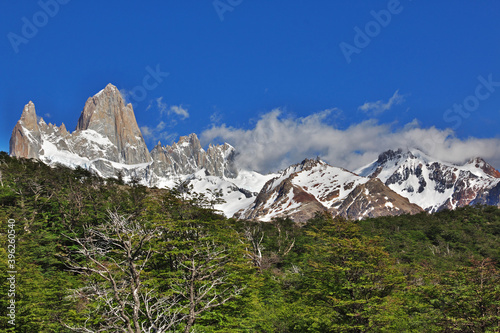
{"type": "Point", "coordinates": [96, 255]}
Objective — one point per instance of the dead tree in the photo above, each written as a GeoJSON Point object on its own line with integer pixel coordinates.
{"type": "Point", "coordinates": [255, 235]}
{"type": "Point", "coordinates": [113, 256]}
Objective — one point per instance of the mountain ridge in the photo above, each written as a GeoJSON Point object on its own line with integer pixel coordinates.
{"type": "Point", "coordinates": [303, 189]}
{"type": "Point", "coordinates": [108, 141]}
{"type": "Point", "coordinates": [432, 184]}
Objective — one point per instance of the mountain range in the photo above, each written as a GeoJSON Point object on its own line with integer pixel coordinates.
{"type": "Point", "coordinates": [108, 142]}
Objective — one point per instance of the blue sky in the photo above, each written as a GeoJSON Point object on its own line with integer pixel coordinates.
{"type": "Point", "coordinates": [239, 67]}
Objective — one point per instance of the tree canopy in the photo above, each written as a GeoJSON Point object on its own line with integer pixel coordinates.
{"type": "Point", "coordinates": [97, 255]}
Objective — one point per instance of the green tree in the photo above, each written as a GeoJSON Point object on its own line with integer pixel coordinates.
{"type": "Point", "coordinates": [346, 277]}
{"type": "Point", "coordinates": [205, 264]}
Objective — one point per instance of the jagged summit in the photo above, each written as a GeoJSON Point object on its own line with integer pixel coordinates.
{"type": "Point", "coordinates": [26, 137]}
{"type": "Point", "coordinates": [480, 164]}
{"type": "Point", "coordinates": [29, 118]}
{"type": "Point", "coordinates": [107, 129]}
{"type": "Point", "coordinates": [402, 154]}
{"type": "Point", "coordinates": [187, 156]}
{"type": "Point", "coordinates": [107, 139]}
{"type": "Point", "coordinates": [433, 184]}
{"type": "Point", "coordinates": [310, 162]}
{"type": "Point", "coordinates": [106, 103]}
{"type": "Point", "coordinates": [306, 163]}
{"type": "Point", "coordinates": [303, 189]}
{"type": "Point", "coordinates": [191, 141]}
{"type": "Point", "coordinates": [107, 114]}
{"type": "Point", "coordinates": [389, 155]}
{"type": "Point", "coordinates": [63, 130]}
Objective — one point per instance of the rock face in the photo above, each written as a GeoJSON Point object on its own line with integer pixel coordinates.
{"type": "Point", "coordinates": [26, 138]}
{"type": "Point", "coordinates": [106, 130]}
{"type": "Point", "coordinates": [106, 114]}
{"type": "Point", "coordinates": [108, 141]}
{"type": "Point", "coordinates": [435, 185]}
{"type": "Point", "coordinates": [187, 156]}
{"type": "Point", "coordinates": [374, 199]}
{"type": "Point", "coordinates": [302, 190]}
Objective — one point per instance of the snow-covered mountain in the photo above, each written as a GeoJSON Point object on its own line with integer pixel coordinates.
{"type": "Point", "coordinates": [238, 193]}
{"type": "Point", "coordinates": [433, 184]}
{"type": "Point", "coordinates": [187, 156]}
{"type": "Point", "coordinates": [106, 137]}
{"type": "Point", "coordinates": [108, 141]}
{"type": "Point", "coordinates": [311, 186]}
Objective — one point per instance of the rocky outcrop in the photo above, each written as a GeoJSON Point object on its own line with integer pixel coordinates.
{"type": "Point", "coordinates": [479, 163]}
{"type": "Point", "coordinates": [187, 156]}
{"type": "Point", "coordinates": [106, 114]}
{"type": "Point", "coordinates": [374, 199]}
{"type": "Point", "coordinates": [107, 129]}
{"type": "Point", "coordinates": [285, 199]}
{"type": "Point", "coordinates": [26, 140]}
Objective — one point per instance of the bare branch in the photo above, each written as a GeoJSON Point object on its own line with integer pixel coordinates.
{"type": "Point", "coordinates": [117, 252]}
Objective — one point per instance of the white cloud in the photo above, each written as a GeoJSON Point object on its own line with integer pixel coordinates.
{"type": "Point", "coordinates": [173, 109]}
{"type": "Point", "coordinates": [150, 132]}
{"type": "Point", "coordinates": [179, 110]}
{"type": "Point", "coordinates": [277, 142]}
{"type": "Point", "coordinates": [47, 115]}
{"type": "Point", "coordinates": [157, 133]}
{"type": "Point", "coordinates": [153, 134]}
{"type": "Point", "coordinates": [162, 107]}
{"type": "Point", "coordinates": [215, 117]}
{"type": "Point", "coordinates": [379, 107]}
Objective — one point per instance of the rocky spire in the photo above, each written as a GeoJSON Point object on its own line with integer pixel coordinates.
{"type": "Point", "coordinates": [107, 114]}
{"type": "Point", "coordinates": [63, 130]}
{"type": "Point", "coordinates": [28, 118]}
{"type": "Point", "coordinates": [25, 140]}
{"type": "Point", "coordinates": [187, 156]}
